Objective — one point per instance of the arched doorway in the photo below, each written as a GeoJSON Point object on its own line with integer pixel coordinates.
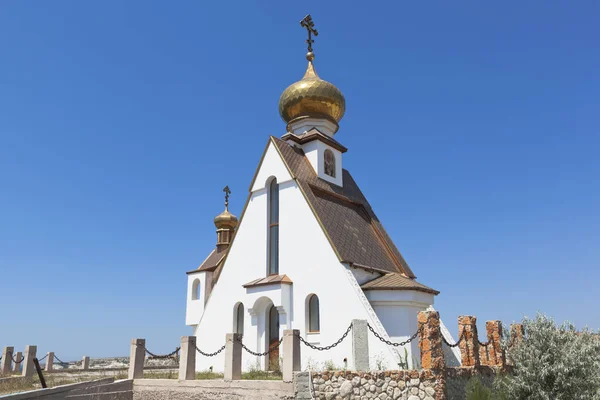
{"type": "Point", "coordinates": [273, 338]}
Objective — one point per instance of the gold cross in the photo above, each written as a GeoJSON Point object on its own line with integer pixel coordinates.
{"type": "Point", "coordinates": [308, 23]}
{"type": "Point", "coordinates": [227, 193]}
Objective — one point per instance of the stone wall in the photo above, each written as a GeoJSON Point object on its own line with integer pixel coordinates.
{"type": "Point", "coordinates": [385, 385]}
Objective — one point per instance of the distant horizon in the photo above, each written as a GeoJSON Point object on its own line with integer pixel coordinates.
{"type": "Point", "coordinates": [472, 130]}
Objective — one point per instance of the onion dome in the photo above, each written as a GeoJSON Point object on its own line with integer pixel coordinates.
{"type": "Point", "coordinates": [312, 97]}
{"type": "Point", "coordinates": [226, 220]}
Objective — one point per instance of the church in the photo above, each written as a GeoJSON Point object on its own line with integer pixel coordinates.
{"type": "Point", "coordinates": [308, 252]}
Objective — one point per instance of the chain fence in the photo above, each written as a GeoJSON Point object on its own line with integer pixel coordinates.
{"type": "Point", "coordinates": [390, 343]}
{"type": "Point", "coordinates": [324, 348]}
{"type": "Point", "coordinates": [269, 350]}
{"type": "Point", "coordinates": [159, 356]}
{"type": "Point", "coordinates": [15, 360]}
{"type": "Point", "coordinates": [43, 358]}
{"type": "Point", "coordinates": [460, 339]}
{"type": "Point", "coordinates": [210, 354]}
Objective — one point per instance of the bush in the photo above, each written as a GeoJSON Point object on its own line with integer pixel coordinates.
{"type": "Point", "coordinates": [475, 390]}
{"type": "Point", "coordinates": [553, 362]}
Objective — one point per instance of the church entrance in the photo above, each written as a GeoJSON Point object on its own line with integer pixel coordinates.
{"type": "Point", "coordinates": [273, 317]}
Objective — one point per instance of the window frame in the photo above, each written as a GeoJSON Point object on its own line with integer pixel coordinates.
{"type": "Point", "coordinates": [333, 162]}
{"type": "Point", "coordinates": [239, 313]}
{"type": "Point", "coordinates": [196, 289]}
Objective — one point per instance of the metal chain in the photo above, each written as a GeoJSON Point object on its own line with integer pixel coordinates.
{"type": "Point", "coordinates": [312, 346]}
{"type": "Point", "coordinates": [389, 343]}
{"type": "Point", "coordinates": [486, 344]}
{"type": "Point", "coordinates": [263, 353]}
{"type": "Point", "coordinates": [210, 354]}
{"type": "Point", "coordinates": [460, 339]}
{"type": "Point", "coordinates": [60, 361]}
{"type": "Point", "coordinates": [17, 362]}
{"type": "Point", "coordinates": [43, 358]}
{"type": "Point", "coordinates": [160, 356]}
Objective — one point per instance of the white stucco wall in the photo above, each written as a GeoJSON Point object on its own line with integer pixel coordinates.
{"type": "Point", "coordinates": [195, 307]}
{"type": "Point", "coordinates": [308, 259]}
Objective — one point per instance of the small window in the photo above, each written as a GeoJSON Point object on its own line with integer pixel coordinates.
{"type": "Point", "coordinates": [239, 318]}
{"type": "Point", "coordinates": [313, 314]}
{"type": "Point", "coordinates": [196, 290]}
{"type": "Point", "coordinates": [329, 163]}
{"type": "Point", "coordinates": [273, 212]}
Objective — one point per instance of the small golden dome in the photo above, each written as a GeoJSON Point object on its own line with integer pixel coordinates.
{"type": "Point", "coordinates": [312, 97]}
{"type": "Point", "coordinates": [226, 220]}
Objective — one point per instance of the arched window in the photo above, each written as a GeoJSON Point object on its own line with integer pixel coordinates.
{"type": "Point", "coordinates": [329, 163]}
{"type": "Point", "coordinates": [238, 318]}
{"type": "Point", "coordinates": [273, 228]}
{"type": "Point", "coordinates": [313, 313]}
{"type": "Point", "coordinates": [196, 289]}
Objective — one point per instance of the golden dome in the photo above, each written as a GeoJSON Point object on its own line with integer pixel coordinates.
{"type": "Point", "coordinates": [312, 97]}
{"type": "Point", "coordinates": [226, 220]}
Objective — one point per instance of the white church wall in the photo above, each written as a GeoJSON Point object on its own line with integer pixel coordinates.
{"type": "Point", "coordinates": [363, 276]}
{"type": "Point", "coordinates": [195, 304]}
{"type": "Point", "coordinates": [397, 310]}
{"type": "Point", "coordinates": [307, 258]}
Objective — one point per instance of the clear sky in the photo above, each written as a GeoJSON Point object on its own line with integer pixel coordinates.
{"type": "Point", "coordinates": [473, 129]}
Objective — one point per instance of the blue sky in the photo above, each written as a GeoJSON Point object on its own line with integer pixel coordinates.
{"type": "Point", "coordinates": [473, 129]}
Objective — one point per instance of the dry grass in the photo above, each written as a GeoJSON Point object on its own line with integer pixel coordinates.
{"type": "Point", "coordinates": [20, 384]}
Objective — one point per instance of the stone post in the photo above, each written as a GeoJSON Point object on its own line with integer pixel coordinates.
{"type": "Point", "coordinates": [233, 356]}
{"type": "Point", "coordinates": [432, 351]}
{"type": "Point", "coordinates": [493, 355]}
{"type": "Point", "coordinates": [17, 366]}
{"type": "Point", "coordinates": [7, 354]}
{"type": "Point", "coordinates": [187, 360]}
{"type": "Point", "coordinates": [360, 344]}
{"type": "Point", "coordinates": [291, 354]}
{"type": "Point", "coordinates": [469, 345]}
{"type": "Point", "coordinates": [49, 361]}
{"type": "Point", "coordinates": [28, 367]}
{"type": "Point", "coordinates": [85, 363]}
{"type": "Point", "coordinates": [137, 355]}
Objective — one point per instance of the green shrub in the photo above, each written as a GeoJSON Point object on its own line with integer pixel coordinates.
{"type": "Point", "coordinates": [553, 362]}
{"type": "Point", "coordinates": [475, 390]}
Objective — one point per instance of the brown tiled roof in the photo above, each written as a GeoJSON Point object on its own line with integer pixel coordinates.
{"type": "Point", "coordinates": [396, 281]}
{"type": "Point", "coordinates": [284, 279]}
{"type": "Point", "coordinates": [314, 134]}
{"type": "Point", "coordinates": [213, 260]}
{"type": "Point", "coordinates": [348, 220]}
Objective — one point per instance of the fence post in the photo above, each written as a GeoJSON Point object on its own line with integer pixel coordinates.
{"type": "Point", "coordinates": [493, 355]}
{"type": "Point", "coordinates": [432, 351]}
{"type": "Point", "coordinates": [233, 357]}
{"type": "Point", "coordinates": [469, 345]}
{"type": "Point", "coordinates": [49, 361]}
{"type": "Point", "coordinates": [28, 367]}
{"type": "Point", "coordinates": [85, 363]}
{"type": "Point", "coordinates": [360, 344]}
{"type": "Point", "coordinates": [291, 354]}
{"type": "Point", "coordinates": [137, 355]}
{"type": "Point", "coordinates": [7, 354]}
{"type": "Point", "coordinates": [17, 366]}
{"type": "Point", "coordinates": [187, 360]}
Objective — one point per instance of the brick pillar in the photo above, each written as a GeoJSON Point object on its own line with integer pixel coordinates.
{"type": "Point", "coordinates": [233, 357]}
{"type": "Point", "coordinates": [291, 354]}
{"type": "Point", "coordinates": [49, 361]}
{"type": "Point", "coordinates": [187, 360]}
{"type": "Point", "coordinates": [493, 355]}
{"type": "Point", "coordinates": [432, 352]}
{"type": "Point", "coordinates": [469, 345]}
{"type": "Point", "coordinates": [85, 363]}
{"type": "Point", "coordinates": [360, 345]}
{"type": "Point", "coordinates": [137, 354]}
{"type": "Point", "coordinates": [17, 366]}
{"type": "Point", "coordinates": [7, 354]}
{"type": "Point", "coordinates": [28, 367]}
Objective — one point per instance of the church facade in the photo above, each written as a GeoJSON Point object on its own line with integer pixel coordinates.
{"type": "Point", "coordinates": [307, 253]}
